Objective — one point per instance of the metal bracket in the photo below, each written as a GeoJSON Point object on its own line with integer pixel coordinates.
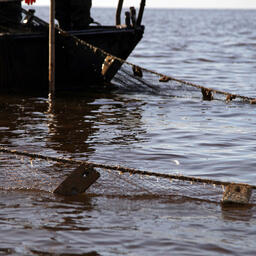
{"type": "Point", "coordinates": [133, 16]}
{"type": "Point", "coordinates": [118, 12]}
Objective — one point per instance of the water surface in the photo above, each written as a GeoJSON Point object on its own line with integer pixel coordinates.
{"type": "Point", "coordinates": [143, 130]}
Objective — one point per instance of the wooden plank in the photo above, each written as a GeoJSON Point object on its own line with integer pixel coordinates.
{"type": "Point", "coordinates": [78, 181]}
{"type": "Point", "coordinates": [237, 194]}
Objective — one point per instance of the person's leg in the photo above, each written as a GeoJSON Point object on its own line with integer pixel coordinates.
{"type": "Point", "coordinates": [63, 13]}
{"type": "Point", "coordinates": [81, 13]}
{"type": "Point", "coordinates": [10, 13]}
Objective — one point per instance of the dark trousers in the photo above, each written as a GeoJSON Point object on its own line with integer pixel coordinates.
{"type": "Point", "coordinates": [73, 14]}
{"type": "Point", "coordinates": [10, 13]}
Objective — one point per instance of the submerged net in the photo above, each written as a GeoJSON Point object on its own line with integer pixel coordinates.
{"type": "Point", "coordinates": [26, 171]}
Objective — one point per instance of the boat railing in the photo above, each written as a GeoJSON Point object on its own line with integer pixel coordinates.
{"type": "Point", "coordinates": [135, 20]}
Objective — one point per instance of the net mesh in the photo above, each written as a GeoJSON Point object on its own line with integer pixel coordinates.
{"type": "Point", "coordinates": [124, 184]}
{"type": "Point", "coordinates": [18, 172]}
{"type": "Point", "coordinates": [135, 78]}
{"type": "Point", "coordinates": [26, 173]}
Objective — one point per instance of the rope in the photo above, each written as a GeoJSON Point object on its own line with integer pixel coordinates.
{"type": "Point", "coordinates": [121, 169]}
{"type": "Point", "coordinates": [163, 78]}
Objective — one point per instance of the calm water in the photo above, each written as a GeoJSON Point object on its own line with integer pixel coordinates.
{"type": "Point", "coordinates": [146, 131]}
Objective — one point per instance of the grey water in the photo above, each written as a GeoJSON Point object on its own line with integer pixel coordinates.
{"type": "Point", "coordinates": [189, 136]}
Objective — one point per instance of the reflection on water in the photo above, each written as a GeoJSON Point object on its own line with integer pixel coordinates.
{"type": "Point", "coordinates": [68, 129]}
{"type": "Point", "coordinates": [72, 123]}
{"type": "Point", "coordinates": [237, 213]}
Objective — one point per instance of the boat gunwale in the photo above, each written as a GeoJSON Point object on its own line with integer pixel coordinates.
{"type": "Point", "coordinates": [102, 30]}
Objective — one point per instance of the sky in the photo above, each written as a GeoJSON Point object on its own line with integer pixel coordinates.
{"type": "Point", "coordinates": [244, 4]}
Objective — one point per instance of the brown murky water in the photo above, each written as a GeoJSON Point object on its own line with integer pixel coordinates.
{"type": "Point", "coordinates": [145, 131]}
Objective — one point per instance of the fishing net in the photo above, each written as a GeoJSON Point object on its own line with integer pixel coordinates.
{"type": "Point", "coordinates": [132, 77]}
{"type": "Point", "coordinates": [21, 170]}
{"type": "Point", "coordinates": [25, 171]}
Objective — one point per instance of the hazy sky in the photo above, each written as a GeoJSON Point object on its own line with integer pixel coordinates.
{"type": "Point", "coordinates": [248, 4]}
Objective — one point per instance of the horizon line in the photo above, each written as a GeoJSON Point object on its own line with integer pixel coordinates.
{"type": "Point", "coordinates": [152, 7]}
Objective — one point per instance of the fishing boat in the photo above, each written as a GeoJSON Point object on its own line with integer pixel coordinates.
{"type": "Point", "coordinates": [24, 53]}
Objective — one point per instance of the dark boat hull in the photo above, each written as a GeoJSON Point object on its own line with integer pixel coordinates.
{"type": "Point", "coordinates": [24, 58]}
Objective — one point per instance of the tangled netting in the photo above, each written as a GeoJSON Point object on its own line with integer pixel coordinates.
{"type": "Point", "coordinates": [139, 78]}
{"type": "Point", "coordinates": [23, 170]}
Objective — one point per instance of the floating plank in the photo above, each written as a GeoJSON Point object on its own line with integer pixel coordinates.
{"type": "Point", "coordinates": [237, 194]}
{"type": "Point", "coordinates": [78, 181]}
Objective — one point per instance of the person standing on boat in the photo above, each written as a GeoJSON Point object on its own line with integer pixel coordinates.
{"type": "Point", "coordinates": [10, 13]}
{"type": "Point", "coordinates": [73, 14]}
